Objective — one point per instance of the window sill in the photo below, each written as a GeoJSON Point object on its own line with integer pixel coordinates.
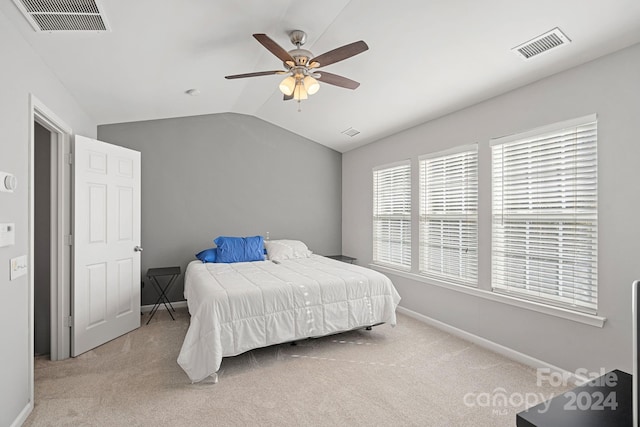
{"type": "Point", "coordinates": [587, 319]}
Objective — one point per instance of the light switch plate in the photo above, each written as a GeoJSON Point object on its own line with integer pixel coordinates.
{"type": "Point", "coordinates": [18, 267]}
{"type": "Point", "coordinates": [7, 234]}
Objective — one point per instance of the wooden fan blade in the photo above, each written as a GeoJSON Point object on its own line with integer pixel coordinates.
{"type": "Point", "coordinates": [273, 47]}
{"type": "Point", "coordinates": [341, 53]}
{"type": "Point", "coordinates": [287, 97]}
{"type": "Point", "coordinates": [336, 80]}
{"type": "Point", "coordinates": [256, 74]}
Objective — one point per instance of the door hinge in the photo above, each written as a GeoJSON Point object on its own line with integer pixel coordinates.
{"type": "Point", "coordinates": [69, 158]}
{"type": "Point", "coordinates": [69, 240]}
{"type": "Point", "coordinates": [68, 322]}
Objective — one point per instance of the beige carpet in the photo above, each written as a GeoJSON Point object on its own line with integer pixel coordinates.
{"type": "Point", "coordinates": [412, 374]}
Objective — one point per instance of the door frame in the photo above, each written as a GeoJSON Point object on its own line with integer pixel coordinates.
{"type": "Point", "coordinates": [60, 224]}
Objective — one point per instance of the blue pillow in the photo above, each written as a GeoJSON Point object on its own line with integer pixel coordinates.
{"type": "Point", "coordinates": [208, 255]}
{"type": "Point", "coordinates": [239, 249]}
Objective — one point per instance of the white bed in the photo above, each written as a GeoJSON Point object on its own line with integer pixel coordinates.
{"type": "Point", "coordinates": [241, 306]}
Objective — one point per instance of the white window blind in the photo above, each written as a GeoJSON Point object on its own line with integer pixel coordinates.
{"type": "Point", "coordinates": [544, 235]}
{"type": "Point", "coordinates": [392, 215]}
{"type": "Point", "coordinates": [449, 215]}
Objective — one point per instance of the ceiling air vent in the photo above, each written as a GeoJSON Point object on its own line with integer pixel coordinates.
{"type": "Point", "coordinates": [350, 132]}
{"type": "Point", "coordinates": [63, 15]}
{"type": "Point", "coordinates": [542, 43]}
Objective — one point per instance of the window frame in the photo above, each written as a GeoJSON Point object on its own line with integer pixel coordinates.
{"type": "Point", "coordinates": [540, 226]}
{"type": "Point", "coordinates": [405, 218]}
{"type": "Point", "coordinates": [451, 163]}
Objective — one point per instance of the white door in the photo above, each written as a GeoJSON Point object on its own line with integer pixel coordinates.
{"type": "Point", "coordinates": [106, 243]}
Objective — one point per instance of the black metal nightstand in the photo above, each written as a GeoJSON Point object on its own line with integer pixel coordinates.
{"type": "Point", "coordinates": [153, 274]}
{"type": "Point", "coordinates": [343, 258]}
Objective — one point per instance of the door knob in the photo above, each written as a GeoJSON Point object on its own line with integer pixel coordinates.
{"type": "Point", "coordinates": [138, 249]}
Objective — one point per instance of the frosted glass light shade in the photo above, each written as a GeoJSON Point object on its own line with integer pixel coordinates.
{"type": "Point", "coordinates": [299, 92]}
{"type": "Point", "coordinates": [287, 85]}
{"type": "Point", "coordinates": [311, 85]}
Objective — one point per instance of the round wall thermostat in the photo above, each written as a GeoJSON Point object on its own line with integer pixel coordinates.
{"type": "Point", "coordinates": [10, 182]}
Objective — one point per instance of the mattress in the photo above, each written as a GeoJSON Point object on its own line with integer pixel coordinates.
{"type": "Point", "coordinates": [238, 307]}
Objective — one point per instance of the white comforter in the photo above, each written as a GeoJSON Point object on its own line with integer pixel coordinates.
{"type": "Point", "coordinates": [238, 307]}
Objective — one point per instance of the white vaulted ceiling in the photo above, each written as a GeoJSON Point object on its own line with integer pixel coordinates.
{"type": "Point", "coordinates": [426, 58]}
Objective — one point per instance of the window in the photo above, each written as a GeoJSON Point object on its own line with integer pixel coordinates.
{"type": "Point", "coordinates": [449, 215]}
{"type": "Point", "coordinates": [392, 215]}
{"type": "Point", "coordinates": [544, 234]}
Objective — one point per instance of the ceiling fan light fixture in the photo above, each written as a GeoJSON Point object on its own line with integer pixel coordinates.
{"type": "Point", "coordinates": [300, 93]}
{"type": "Point", "coordinates": [311, 85]}
{"type": "Point", "coordinates": [287, 85]}
{"type": "Point", "coordinates": [300, 66]}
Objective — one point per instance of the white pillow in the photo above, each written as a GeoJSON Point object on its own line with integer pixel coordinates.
{"type": "Point", "coordinates": [278, 250]}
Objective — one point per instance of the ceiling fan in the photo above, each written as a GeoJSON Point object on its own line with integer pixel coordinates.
{"type": "Point", "coordinates": [302, 67]}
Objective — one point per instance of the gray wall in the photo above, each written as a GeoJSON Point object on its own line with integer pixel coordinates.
{"type": "Point", "coordinates": [610, 87]}
{"type": "Point", "coordinates": [42, 241]}
{"type": "Point", "coordinates": [230, 174]}
{"type": "Point", "coordinates": [22, 73]}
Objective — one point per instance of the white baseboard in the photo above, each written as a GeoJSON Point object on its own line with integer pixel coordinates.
{"type": "Point", "coordinates": [495, 347]}
{"type": "Point", "coordinates": [23, 415]}
{"type": "Point", "coordinates": [177, 304]}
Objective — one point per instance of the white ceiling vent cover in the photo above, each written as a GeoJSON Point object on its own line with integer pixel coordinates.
{"type": "Point", "coordinates": [350, 132]}
{"type": "Point", "coordinates": [63, 15]}
{"type": "Point", "coordinates": [542, 43]}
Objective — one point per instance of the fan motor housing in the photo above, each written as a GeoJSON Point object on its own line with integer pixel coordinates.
{"type": "Point", "coordinates": [302, 56]}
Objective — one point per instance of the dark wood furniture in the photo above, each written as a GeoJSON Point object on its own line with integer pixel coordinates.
{"type": "Point", "coordinates": [343, 258]}
{"type": "Point", "coordinates": [602, 402]}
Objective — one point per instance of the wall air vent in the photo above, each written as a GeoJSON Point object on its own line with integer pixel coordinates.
{"type": "Point", "coordinates": [542, 43]}
{"type": "Point", "coordinates": [350, 132]}
{"type": "Point", "coordinates": [63, 15]}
